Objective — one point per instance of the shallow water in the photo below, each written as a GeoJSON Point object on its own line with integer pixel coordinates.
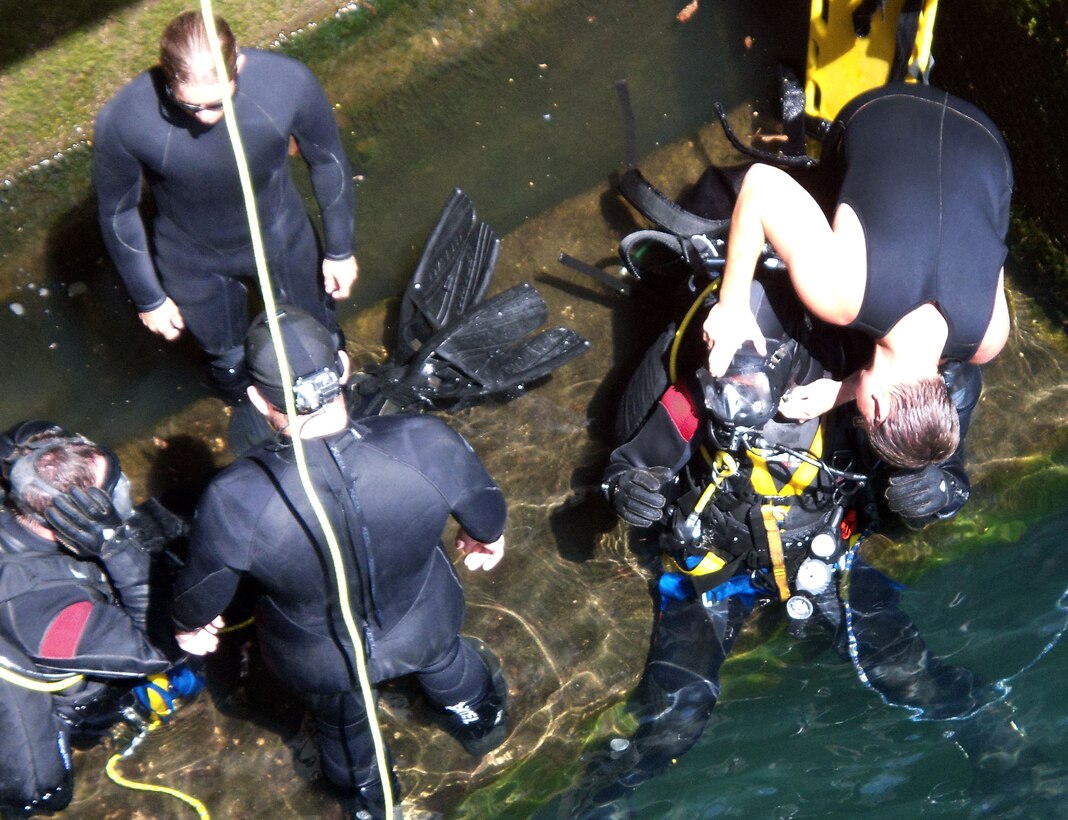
{"type": "Point", "coordinates": [796, 734]}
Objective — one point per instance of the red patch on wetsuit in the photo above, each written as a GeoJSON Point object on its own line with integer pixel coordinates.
{"type": "Point", "coordinates": [65, 631]}
{"type": "Point", "coordinates": [680, 409]}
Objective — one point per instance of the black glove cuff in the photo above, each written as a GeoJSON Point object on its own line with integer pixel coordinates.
{"type": "Point", "coordinates": [126, 563]}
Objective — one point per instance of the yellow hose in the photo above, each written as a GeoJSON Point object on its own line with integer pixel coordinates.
{"type": "Point", "coordinates": [36, 684]}
{"type": "Point", "coordinates": [113, 773]}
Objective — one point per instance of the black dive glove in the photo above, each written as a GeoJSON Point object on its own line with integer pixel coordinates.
{"type": "Point", "coordinates": [85, 521]}
{"type": "Point", "coordinates": [920, 496]}
{"type": "Point", "coordinates": [637, 496]}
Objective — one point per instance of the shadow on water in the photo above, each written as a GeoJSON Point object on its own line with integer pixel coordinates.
{"type": "Point", "coordinates": [28, 28]}
{"type": "Point", "coordinates": [531, 119]}
{"type": "Point", "coordinates": [86, 356]}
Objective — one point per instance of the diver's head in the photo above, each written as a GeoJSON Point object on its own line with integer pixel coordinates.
{"type": "Point", "coordinates": [910, 424]}
{"type": "Point", "coordinates": [317, 369]}
{"type": "Point", "coordinates": [192, 83]}
{"type": "Point", "coordinates": [746, 397]}
{"type": "Point", "coordinates": [53, 464]}
{"type": "Point", "coordinates": [906, 408]}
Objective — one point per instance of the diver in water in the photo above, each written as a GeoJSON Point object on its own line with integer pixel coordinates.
{"type": "Point", "coordinates": [190, 269]}
{"type": "Point", "coordinates": [769, 517]}
{"type": "Point", "coordinates": [910, 253]}
{"type": "Point", "coordinates": [79, 600]}
{"type": "Point", "coordinates": [389, 485]}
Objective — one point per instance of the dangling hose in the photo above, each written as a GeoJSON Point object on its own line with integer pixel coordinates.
{"type": "Point", "coordinates": [112, 772]}
{"type": "Point", "coordinates": [298, 447]}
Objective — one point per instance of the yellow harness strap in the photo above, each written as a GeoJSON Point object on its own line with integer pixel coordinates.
{"type": "Point", "coordinates": [723, 467]}
{"type": "Point", "coordinates": [804, 475]}
{"type": "Point", "coordinates": [778, 562]}
{"type": "Point", "coordinates": [764, 484]}
{"type": "Point", "coordinates": [707, 565]}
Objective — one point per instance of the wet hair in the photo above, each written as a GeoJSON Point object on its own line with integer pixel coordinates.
{"type": "Point", "coordinates": [62, 466]}
{"type": "Point", "coordinates": [921, 426]}
{"type": "Point", "coordinates": [184, 38]}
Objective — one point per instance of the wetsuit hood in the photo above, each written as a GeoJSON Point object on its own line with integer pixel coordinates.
{"type": "Point", "coordinates": [315, 367]}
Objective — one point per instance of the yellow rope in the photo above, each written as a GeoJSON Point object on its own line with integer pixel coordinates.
{"type": "Point", "coordinates": [291, 412]}
{"type": "Point", "coordinates": [677, 343]}
{"type": "Point", "coordinates": [234, 627]}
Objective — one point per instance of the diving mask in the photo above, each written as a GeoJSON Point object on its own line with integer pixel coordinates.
{"type": "Point", "coordinates": [747, 396]}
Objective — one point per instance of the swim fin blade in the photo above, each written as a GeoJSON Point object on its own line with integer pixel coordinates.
{"type": "Point", "coordinates": [454, 349]}
{"type": "Point", "coordinates": [487, 353]}
{"type": "Point", "coordinates": [452, 276]}
{"type": "Point", "coordinates": [490, 346]}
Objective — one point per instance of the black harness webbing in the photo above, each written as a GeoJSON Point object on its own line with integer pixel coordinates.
{"type": "Point", "coordinates": [653, 205]}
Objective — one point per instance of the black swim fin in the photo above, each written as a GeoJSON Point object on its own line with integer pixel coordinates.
{"type": "Point", "coordinates": [453, 349]}
{"type": "Point", "coordinates": [490, 346]}
{"type": "Point", "coordinates": [451, 277]}
{"type": "Point", "coordinates": [486, 353]}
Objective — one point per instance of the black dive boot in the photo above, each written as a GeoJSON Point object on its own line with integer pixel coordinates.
{"type": "Point", "coordinates": [481, 726]}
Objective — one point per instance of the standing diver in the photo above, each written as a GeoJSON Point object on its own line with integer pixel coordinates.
{"type": "Point", "coordinates": [190, 269]}
{"type": "Point", "coordinates": [388, 485]}
{"type": "Point", "coordinates": [79, 601]}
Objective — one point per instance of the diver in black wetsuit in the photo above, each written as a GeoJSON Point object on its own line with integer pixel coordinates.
{"type": "Point", "coordinates": [726, 558]}
{"type": "Point", "coordinates": [389, 485]}
{"type": "Point", "coordinates": [76, 605]}
{"type": "Point", "coordinates": [192, 267]}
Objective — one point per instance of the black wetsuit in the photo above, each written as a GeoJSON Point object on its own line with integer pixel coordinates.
{"type": "Point", "coordinates": [59, 614]}
{"type": "Point", "coordinates": [694, 633]}
{"type": "Point", "coordinates": [198, 251]}
{"type": "Point", "coordinates": [389, 485]}
{"type": "Point", "coordinates": [930, 179]}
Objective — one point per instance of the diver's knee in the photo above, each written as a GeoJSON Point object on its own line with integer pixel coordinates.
{"type": "Point", "coordinates": [229, 373]}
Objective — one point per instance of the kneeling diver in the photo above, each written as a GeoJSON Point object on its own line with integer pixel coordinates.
{"type": "Point", "coordinates": [77, 599]}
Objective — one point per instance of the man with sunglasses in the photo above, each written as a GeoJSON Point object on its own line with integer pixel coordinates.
{"type": "Point", "coordinates": [190, 266]}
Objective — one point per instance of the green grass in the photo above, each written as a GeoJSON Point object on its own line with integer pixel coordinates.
{"type": "Point", "coordinates": [49, 96]}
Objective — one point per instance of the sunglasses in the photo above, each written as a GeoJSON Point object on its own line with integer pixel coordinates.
{"type": "Point", "coordinates": [193, 108]}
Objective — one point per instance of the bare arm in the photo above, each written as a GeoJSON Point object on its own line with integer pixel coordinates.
{"type": "Point", "coordinates": [997, 332]}
{"type": "Point", "coordinates": [773, 208]}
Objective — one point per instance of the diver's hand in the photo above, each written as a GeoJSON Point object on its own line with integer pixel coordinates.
{"type": "Point", "coordinates": [86, 522]}
{"type": "Point", "coordinates": [811, 400]}
{"type": "Point", "coordinates": [339, 275]}
{"type": "Point", "coordinates": [479, 554]}
{"type": "Point", "coordinates": [165, 321]}
{"type": "Point", "coordinates": [726, 329]}
{"type": "Point", "coordinates": [637, 495]}
{"type": "Point", "coordinates": [919, 496]}
{"type": "Point", "coordinates": [201, 641]}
